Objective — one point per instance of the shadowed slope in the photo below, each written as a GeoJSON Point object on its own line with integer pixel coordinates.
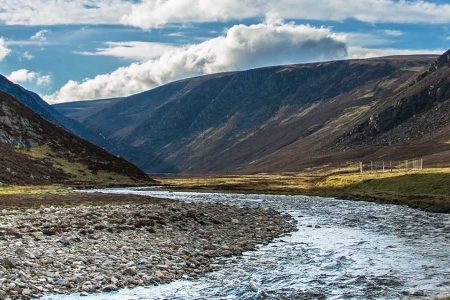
{"type": "Point", "coordinates": [34, 150]}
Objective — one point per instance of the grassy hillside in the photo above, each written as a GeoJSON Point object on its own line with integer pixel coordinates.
{"type": "Point", "coordinates": [35, 151]}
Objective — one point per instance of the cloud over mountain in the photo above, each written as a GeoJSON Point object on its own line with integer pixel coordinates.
{"type": "Point", "coordinates": [241, 47]}
{"type": "Point", "coordinates": [24, 76]}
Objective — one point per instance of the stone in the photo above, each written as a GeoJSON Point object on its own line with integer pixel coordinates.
{"type": "Point", "coordinates": [131, 271]}
{"type": "Point", "coordinates": [7, 262]}
{"type": "Point", "coordinates": [63, 261]}
{"type": "Point", "coordinates": [21, 252]}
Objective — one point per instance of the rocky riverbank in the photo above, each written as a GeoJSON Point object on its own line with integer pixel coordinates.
{"type": "Point", "coordinates": [92, 243]}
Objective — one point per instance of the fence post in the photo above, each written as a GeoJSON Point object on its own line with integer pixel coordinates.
{"type": "Point", "coordinates": [361, 167]}
{"type": "Point", "coordinates": [390, 165]}
{"type": "Point", "coordinates": [383, 165]}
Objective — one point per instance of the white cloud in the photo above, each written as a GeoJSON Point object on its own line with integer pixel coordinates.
{"type": "Point", "coordinates": [4, 50]}
{"type": "Point", "coordinates": [135, 50]}
{"type": "Point", "coordinates": [37, 39]}
{"type": "Point", "coordinates": [40, 36]}
{"type": "Point", "coordinates": [27, 55]}
{"type": "Point", "coordinates": [154, 13]}
{"type": "Point", "coordinates": [393, 32]}
{"type": "Point", "coordinates": [360, 52]}
{"type": "Point", "coordinates": [27, 76]}
{"type": "Point", "coordinates": [51, 12]}
{"type": "Point", "coordinates": [43, 80]}
{"type": "Point", "coordinates": [240, 48]}
{"type": "Point", "coordinates": [157, 13]}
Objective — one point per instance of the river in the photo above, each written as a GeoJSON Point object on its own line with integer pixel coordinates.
{"type": "Point", "coordinates": [341, 250]}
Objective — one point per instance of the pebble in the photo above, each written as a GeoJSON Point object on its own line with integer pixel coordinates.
{"type": "Point", "coordinates": [88, 249]}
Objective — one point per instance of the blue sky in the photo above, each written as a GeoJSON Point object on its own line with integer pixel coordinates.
{"type": "Point", "coordinates": [142, 44]}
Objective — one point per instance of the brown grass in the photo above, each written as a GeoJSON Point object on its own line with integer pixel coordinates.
{"type": "Point", "coordinates": [427, 189]}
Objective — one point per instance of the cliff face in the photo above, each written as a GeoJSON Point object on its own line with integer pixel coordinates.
{"type": "Point", "coordinates": [421, 108]}
{"type": "Point", "coordinates": [34, 150]}
{"type": "Point", "coordinates": [279, 118]}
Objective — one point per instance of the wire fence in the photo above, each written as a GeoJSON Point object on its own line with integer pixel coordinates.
{"type": "Point", "coordinates": [390, 166]}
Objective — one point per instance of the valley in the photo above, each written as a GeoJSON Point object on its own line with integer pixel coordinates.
{"type": "Point", "coordinates": [238, 150]}
{"type": "Point", "coordinates": [178, 183]}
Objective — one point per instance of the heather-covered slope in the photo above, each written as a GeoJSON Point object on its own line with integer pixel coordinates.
{"type": "Point", "coordinates": [281, 118]}
{"type": "Point", "coordinates": [33, 150]}
{"type": "Point", "coordinates": [46, 111]}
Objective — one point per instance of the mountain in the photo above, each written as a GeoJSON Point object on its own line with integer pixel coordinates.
{"type": "Point", "coordinates": [35, 151]}
{"type": "Point", "coordinates": [46, 111]}
{"type": "Point", "coordinates": [286, 118]}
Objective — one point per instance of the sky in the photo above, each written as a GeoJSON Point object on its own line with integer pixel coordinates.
{"type": "Point", "coordinates": [68, 50]}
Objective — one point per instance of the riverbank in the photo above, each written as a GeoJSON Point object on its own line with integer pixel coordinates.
{"type": "Point", "coordinates": [427, 189]}
{"type": "Point", "coordinates": [72, 242]}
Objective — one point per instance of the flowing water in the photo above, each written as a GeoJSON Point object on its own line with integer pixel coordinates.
{"type": "Point", "coordinates": [342, 250]}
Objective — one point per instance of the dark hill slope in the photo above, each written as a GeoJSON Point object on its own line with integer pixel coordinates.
{"type": "Point", "coordinates": [411, 121]}
{"type": "Point", "coordinates": [34, 150]}
{"type": "Point", "coordinates": [272, 119]}
{"type": "Point", "coordinates": [46, 111]}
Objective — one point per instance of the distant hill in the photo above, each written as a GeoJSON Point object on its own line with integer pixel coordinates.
{"type": "Point", "coordinates": [35, 151]}
{"type": "Point", "coordinates": [286, 118]}
{"type": "Point", "coordinates": [46, 111]}
{"type": "Point", "coordinates": [80, 110]}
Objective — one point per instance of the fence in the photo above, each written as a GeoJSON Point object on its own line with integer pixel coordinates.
{"type": "Point", "coordinates": [384, 166]}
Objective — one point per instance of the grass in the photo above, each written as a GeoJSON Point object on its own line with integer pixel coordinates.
{"type": "Point", "coordinates": [33, 190]}
{"type": "Point", "coordinates": [78, 171]}
{"type": "Point", "coordinates": [428, 181]}
{"type": "Point", "coordinates": [427, 189]}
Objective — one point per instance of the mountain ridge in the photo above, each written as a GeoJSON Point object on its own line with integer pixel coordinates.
{"type": "Point", "coordinates": [272, 119]}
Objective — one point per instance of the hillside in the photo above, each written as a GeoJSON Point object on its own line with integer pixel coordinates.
{"type": "Point", "coordinates": [46, 111]}
{"type": "Point", "coordinates": [35, 151]}
{"type": "Point", "coordinates": [80, 110]}
{"type": "Point", "coordinates": [286, 118]}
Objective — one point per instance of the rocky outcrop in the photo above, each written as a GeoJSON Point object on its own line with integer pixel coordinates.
{"type": "Point", "coordinates": [418, 109]}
